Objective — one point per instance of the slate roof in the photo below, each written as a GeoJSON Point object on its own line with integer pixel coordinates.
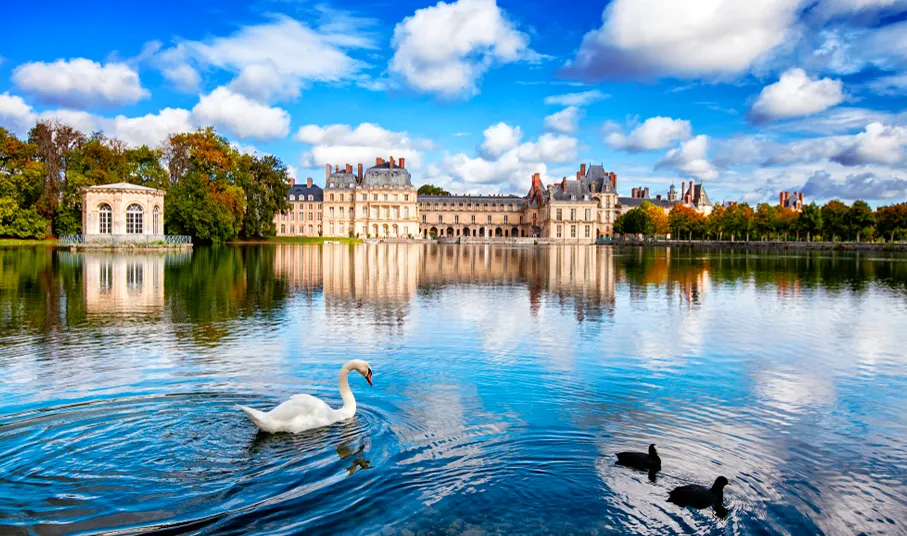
{"type": "Point", "coordinates": [385, 175]}
{"type": "Point", "coordinates": [634, 202]}
{"type": "Point", "coordinates": [303, 190]}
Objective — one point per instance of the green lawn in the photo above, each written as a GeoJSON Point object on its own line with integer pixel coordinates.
{"type": "Point", "coordinates": [299, 240]}
{"type": "Point", "coordinates": [8, 242]}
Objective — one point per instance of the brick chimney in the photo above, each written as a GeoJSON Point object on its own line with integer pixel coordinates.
{"type": "Point", "coordinates": [613, 180]}
{"type": "Point", "coordinates": [308, 182]}
{"type": "Point", "coordinates": [800, 196]}
{"type": "Point", "coordinates": [633, 193]}
{"type": "Point", "coordinates": [292, 181]}
{"type": "Point", "coordinates": [379, 161]}
{"type": "Point", "coordinates": [564, 184]}
{"type": "Point", "coordinates": [578, 174]}
{"type": "Point", "coordinates": [646, 192]}
{"type": "Point", "coordinates": [582, 169]}
{"type": "Point", "coordinates": [683, 191]}
{"type": "Point", "coordinates": [781, 198]}
{"type": "Point", "coordinates": [402, 162]}
{"type": "Point", "coordinates": [327, 171]}
{"type": "Point", "coordinates": [360, 171]}
{"type": "Point", "coordinates": [392, 162]}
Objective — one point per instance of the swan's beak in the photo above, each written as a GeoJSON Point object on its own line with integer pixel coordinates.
{"type": "Point", "coordinates": [368, 378]}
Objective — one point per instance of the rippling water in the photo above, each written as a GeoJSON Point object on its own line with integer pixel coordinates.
{"type": "Point", "coordinates": [505, 379]}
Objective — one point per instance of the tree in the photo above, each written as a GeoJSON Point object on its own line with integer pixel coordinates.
{"type": "Point", "coordinates": [21, 185]}
{"type": "Point", "coordinates": [684, 222]}
{"type": "Point", "coordinates": [713, 224]}
{"type": "Point", "coordinates": [737, 221]}
{"type": "Point", "coordinates": [143, 166]}
{"type": "Point", "coordinates": [834, 220]}
{"type": "Point", "coordinates": [786, 222]}
{"type": "Point", "coordinates": [860, 220]}
{"type": "Point", "coordinates": [431, 189]}
{"type": "Point", "coordinates": [56, 143]}
{"type": "Point", "coordinates": [891, 221]}
{"type": "Point", "coordinates": [635, 221]}
{"type": "Point", "coordinates": [809, 221]}
{"type": "Point", "coordinates": [765, 220]}
{"type": "Point", "coordinates": [657, 216]}
{"type": "Point", "coordinates": [266, 184]}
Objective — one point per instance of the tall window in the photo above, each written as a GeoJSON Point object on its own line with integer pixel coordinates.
{"type": "Point", "coordinates": [572, 214]}
{"type": "Point", "coordinates": [558, 214]}
{"type": "Point", "coordinates": [440, 218]}
{"type": "Point", "coordinates": [588, 214]}
{"type": "Point", "coordinates": [489, 218]}
{"type": "Point", "coordinates": [406, 198]}
{"type": "Point", "coordinates": [405, 213]}
{"type": "Point", "coordinates": [473, 220]}
{"type": "Point", "coordinates": [134, 219]}
{"type": "Point", "coordinates": [352, 212]}
{"type": "Point", "coordinates": [156, 220]}
{"type": "Point", "coordinates": [423, 218]}
{"type": "Point", "coordinates": [558, 231]}
{"type": "Point", "coordinates": [105, 224]}
{"type": "Point", "coordinates": [588, 232]}
{"type": "Point", "coordinates": [573, 231]}
{"type": "Point", "coordinates": [505, 218]}
{"type": "Point", "coordinates": [332, 197]}
{"type": "Point", "coordinates": [135, 277]}
{"type": "Point", "coordinates": [457, 218]}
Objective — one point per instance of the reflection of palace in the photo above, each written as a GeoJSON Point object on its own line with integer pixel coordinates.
{"type": "Point", "coordinates": [393, 272]}
{"type": "Point", "coordinates": [124, 283]}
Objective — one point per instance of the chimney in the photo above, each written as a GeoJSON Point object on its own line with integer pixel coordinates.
{"type": "Point", "coordinates": [349, 168]}
{"type": "Point", "coordinates": [582, 169]}
{"type": "Point", "coordinates": [658, 197]}
{"type": "Point", "coordinates": [392, 162]}
{"type": "Point", "coordinates": [614, 181]}
{"type": "Point", "coordinates": [800, 196]}
{"type": "Point", "coordinates": [308, 182]}
{"type": "Point", "coordinates": [781, 199]}
{"type": "Point", "coordinates": [379, 161]}
{"type": "Point", "coordinates": [646, 192]}
{"type": "Point", "coordinates": [633, 193]}
{"type": "Point", "coordinates": [360, 172]}
{"type": "Point", "coordinates": [578, 174]}
{"type": "Point", "coordinates": [564, 184]}
{"type": "Point", "coordinates": [327, 171]}
{"type": "Point", "coordinates": [683, 190]}
{"type": "Point", "coordinates": [402, 162]}
{"type": "Point", "coordinates": [292, 181]}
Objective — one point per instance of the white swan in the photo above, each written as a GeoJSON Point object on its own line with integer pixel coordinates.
{"type": "Point", "coordinates": [304, 412]}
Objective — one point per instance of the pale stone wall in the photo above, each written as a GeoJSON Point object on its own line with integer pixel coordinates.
{"type": "Point", "coordinates": [303, 219]}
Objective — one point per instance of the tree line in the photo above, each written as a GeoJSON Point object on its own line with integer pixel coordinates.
{"type": "Point", "coordinates": [832, 222]}
{"type": "Point", "coordinates": [213, 192]}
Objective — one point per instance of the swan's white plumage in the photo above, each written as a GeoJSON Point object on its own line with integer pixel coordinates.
{"type": "Point", "coordinates": [305, 412]}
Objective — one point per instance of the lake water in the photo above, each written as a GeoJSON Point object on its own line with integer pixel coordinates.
{"type": "Point", "coordinates": [505, 379]}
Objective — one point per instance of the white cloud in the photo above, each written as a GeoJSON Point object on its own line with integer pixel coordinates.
{"type": "Point", "coordinates": [173, 63]}
{"type": "Point", "coordinates": [657, 38]}
{"type": "Point", "coordinates": [690, 159]}
{"type": "Point", "coordinates": [655, 133]}
{"type": "Point", "coordinates": [265, 82]}
{"type": "Point", "coordinates": [829, 8]}
{"type": "Point", "coordinates": [342, 144]}
{"type": "Point", "coordinates": [510, 170]}
{"type": "Point", "coordinates": [150, 129]}
{"type": "Point", "coordinates": [80, 82]}
{"type": "Point", "coordinates": [445, 49]}
{"type": "Point", "coordinates": [499, 139]}
{"type": "Point", "coordinates": [566, 120]}
{"type": "Point", "coordinates": [878, 144]}
{"type": "Point", "coordinates": [241, 116]}
{"type": "Point", "coordinates": [795, 95]}
{"type": "Point", "coordinates": [890, 85]}
{"type": "Point", "coordinates": [866, 186]}
{"type": "Point", "coordinates": [576, 99]}
{"type": "Point", "coordinates": [183, 77]}
{"type": "Point", "coordinates": [15, 114]}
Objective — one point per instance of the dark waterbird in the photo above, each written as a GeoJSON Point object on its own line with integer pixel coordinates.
{"type": "Point", "coordinates": [701, 496]}
{"type": "Point", "coordinates": [640, 460]}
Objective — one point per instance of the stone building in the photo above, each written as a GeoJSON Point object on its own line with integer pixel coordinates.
{"type": "Point", "coordinates": [304, 216]}
{"type": "Point", "coordinates": [473, 216]}
{"type": "Point", "coordinates": [795, 201]}
{"type": "Point", "coordinates": [122, 213]}
{"type": "Point", "coordinates": [581, 209]}
{"type": "Point", "coordinates": [694, 197]}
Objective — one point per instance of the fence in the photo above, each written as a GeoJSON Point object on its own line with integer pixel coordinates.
{"type": "Point", "coordinates": [71, 239]}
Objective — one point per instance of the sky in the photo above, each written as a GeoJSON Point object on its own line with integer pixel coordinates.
{"type": "Point", "coordinates": [749, 98]}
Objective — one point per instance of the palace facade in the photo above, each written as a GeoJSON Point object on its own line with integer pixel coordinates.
{"type": "Point", "coordinates": [381, 202]}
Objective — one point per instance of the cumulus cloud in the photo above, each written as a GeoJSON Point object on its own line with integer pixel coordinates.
{"type": "Point", "coordinates": [241, 116]}
{"type": "Point", "coordinates": [173, 64]}
{"type": "Point", "coordinates": [445, 49]}
{"type": "Point", "coordinates": [265, 82]}
{"type": "Point", "coordinates": [342, 144]}
{"type": "Point", "coordinates": [690, 159]}
{"type": "Point", "coordinates": [878, 144]}
{"type": "Point", "coordinates": [795, 95]}
{"type": "Point", "coordinates": [643, 39]}
{"type": "Point", "coordinates": [566, 120]}
{"type": "Point", "coordinates": [655, 133]}
{"type": "Point", "coordinates": [504, 170]}
{"type": "Point", "coordinates": [865, 186]}
{"type": "Point", "coordinates": [80, 82]}
{"type": "Point", "coordinates": [582, 98]}
{"type": "Point", "coordinates": [499, 139]}
{"type": "Point", "coordinates": [15, 114]}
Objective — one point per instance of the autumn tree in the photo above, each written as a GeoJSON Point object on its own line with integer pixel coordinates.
{"type": "Point", "coordinates": [860, 220]}
{"type": "Point", "coordinates": [266, 184]}
{"type": "Point", "coordinates": [684, 222]}
{"type": "Point", "coordinates": [21, 186]}
{"type": "Point", "coordinates": [891, 221]}
{"type": "Point", "coordinates": [657, 216]}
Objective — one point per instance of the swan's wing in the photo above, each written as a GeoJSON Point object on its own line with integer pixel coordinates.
{"type": "Point", "coordinates": [305, 406]}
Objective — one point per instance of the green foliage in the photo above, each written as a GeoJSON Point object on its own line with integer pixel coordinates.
{"type": "Point", "coordinates": [860, 220]}
{"type": "Point", "coordinates": [834, 220]}
{"type": "Point", "coordinates": [809, 222]}
{"type": "Point", "coordinates": [891, 221]}
{"type": "Point", "coordinates": [635, 221]}
{"type": "Point", "coordinates": [266, 184]}
{"type": "Point", "coordinates": [685, 223]}
{"type": "Point", "coordinates": [431, 189]}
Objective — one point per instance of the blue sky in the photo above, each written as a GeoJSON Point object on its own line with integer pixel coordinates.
{"type": "Point", "coordinates": [748, 97]}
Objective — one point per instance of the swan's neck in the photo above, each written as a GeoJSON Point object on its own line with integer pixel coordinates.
{"type": "Point", "coordinates": [346, 394]}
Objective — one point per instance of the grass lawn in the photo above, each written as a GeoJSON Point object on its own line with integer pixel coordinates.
{"type": "Point", "coordinates": [299, 240]}
{"type": "Point", "coordinates": [8, 242]}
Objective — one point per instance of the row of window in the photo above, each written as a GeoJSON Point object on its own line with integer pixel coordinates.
{"type": "Point", "coordinates": [302, 216]}
{"type": "Point", "coordinates": [302, 198]}
{"type": "Point", "coordinates": [134, 219]}
{"type": "Point", "coordinates": [364, 197]}
{"type": "Point", "coordinates": [558, 214]}
{"type": "Point", "coordinates": [472, 218]}
{"type": "Point", "coordinates": [560, 231]}
{"type": "Point", "coordinates": [470, 205]}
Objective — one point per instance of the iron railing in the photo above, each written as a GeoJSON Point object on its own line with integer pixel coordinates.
{"type": "Point", "coordinates": [178, 239]}
{"type": "Point", "coordinates": [71, 239]}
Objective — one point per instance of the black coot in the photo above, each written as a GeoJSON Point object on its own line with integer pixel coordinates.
{"type": "Point", "coordinates": [640, 460]}
{"type": "Point", "coordinates": [700, 496]}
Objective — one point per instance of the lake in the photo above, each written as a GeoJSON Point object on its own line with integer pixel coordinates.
{"type": "Point", "coordinates": [505, 380]}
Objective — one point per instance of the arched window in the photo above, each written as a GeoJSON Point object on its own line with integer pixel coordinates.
{"type": "Point", "coordinates": [311, 198]}
{"type": "Point", "coordinates": [105, 223]}
{"type": "Point", "coordinates": [156, 220]}
{"type": "Point", "coordinates": [134, 219]}
{"type": "Point", "coordinates": [292, 198]}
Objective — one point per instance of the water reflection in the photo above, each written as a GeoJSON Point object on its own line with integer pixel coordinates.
{"type": "Point", "coordinates": [124, 284]}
